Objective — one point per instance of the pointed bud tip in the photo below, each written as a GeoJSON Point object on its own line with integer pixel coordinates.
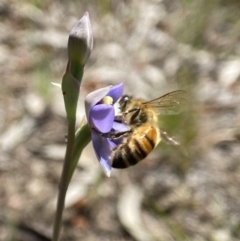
{"type": "Point", "coordinates": [80, 42]}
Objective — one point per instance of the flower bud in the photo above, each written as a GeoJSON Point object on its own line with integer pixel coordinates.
{"type": "Point", "coordinates": [80, 42]}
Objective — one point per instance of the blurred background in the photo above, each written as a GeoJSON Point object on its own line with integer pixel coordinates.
{"type": "Point", "coordinates": [152, 46]}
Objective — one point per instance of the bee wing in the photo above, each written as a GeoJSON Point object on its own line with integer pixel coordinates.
{"type": "Point", "coordinates": [170, 103]}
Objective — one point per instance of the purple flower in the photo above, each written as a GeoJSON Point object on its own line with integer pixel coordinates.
{"type": "Point", "coordinates": [101, 108]}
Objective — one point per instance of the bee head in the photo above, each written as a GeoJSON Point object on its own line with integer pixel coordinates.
{"type": "Point", "coordinates": [123, 101]}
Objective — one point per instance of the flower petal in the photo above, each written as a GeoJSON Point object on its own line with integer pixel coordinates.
{"type": "Point", "coordinates": [116, 92]}
{"type": "Point", "coordinates": [120, 127]}
{"type": "Point", "coordinates": [101, 117]}
{"type": "Point", "coordinates": [94, 97]}
{"type": "Point", "coordinates": [102, 148]}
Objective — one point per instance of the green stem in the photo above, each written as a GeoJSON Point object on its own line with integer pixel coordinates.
{"type": "Point", "coordinates": [82, 138]}
{"type": "Point", "coordinates": [64, 180]}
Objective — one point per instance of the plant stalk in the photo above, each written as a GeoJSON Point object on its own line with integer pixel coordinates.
{"type": "Point", "coordinates": [64, 180]}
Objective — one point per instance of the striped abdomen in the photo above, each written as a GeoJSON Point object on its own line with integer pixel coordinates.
{"type": "Point", "coordinates": [137, 146]}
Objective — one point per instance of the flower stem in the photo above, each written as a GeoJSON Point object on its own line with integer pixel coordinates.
{"type": "Point", "coordinates": [64, 180]}
{"type": "Point", "coordinates": [82, 138]}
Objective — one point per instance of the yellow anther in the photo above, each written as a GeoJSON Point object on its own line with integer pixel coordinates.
{"type": "Point", "coordinates": [107, 100]}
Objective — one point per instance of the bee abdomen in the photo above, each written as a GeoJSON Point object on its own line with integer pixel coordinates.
{"type": "Point", "coordinates": [124, 157]}
{"type": "Point", "coordinates": [139, 149]}
{"type": "Point", "coordinates": [132, 152]}
{"type": "Point", "coordinates": [137, 146]}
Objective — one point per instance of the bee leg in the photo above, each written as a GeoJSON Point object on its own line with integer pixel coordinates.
{"type": "Point", "coordinates": [135, 116]}
{"type": "Point", "coordinates": [120, 117]}
{"type": "Point", "coordinates": [169, 140]}
{"type": "Point", "coordinates": [135, 109]}
{"type": "Point", "coordinates": [119, 135]}
{"type": "Point", "coordinates": [113, 135]}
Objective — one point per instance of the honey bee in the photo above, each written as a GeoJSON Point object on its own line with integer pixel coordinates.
{"type": "Point", "coordinates": [144, 134]}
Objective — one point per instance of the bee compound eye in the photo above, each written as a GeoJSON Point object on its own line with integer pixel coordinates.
{"type": "Point", "coordinates": [125, 98]}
